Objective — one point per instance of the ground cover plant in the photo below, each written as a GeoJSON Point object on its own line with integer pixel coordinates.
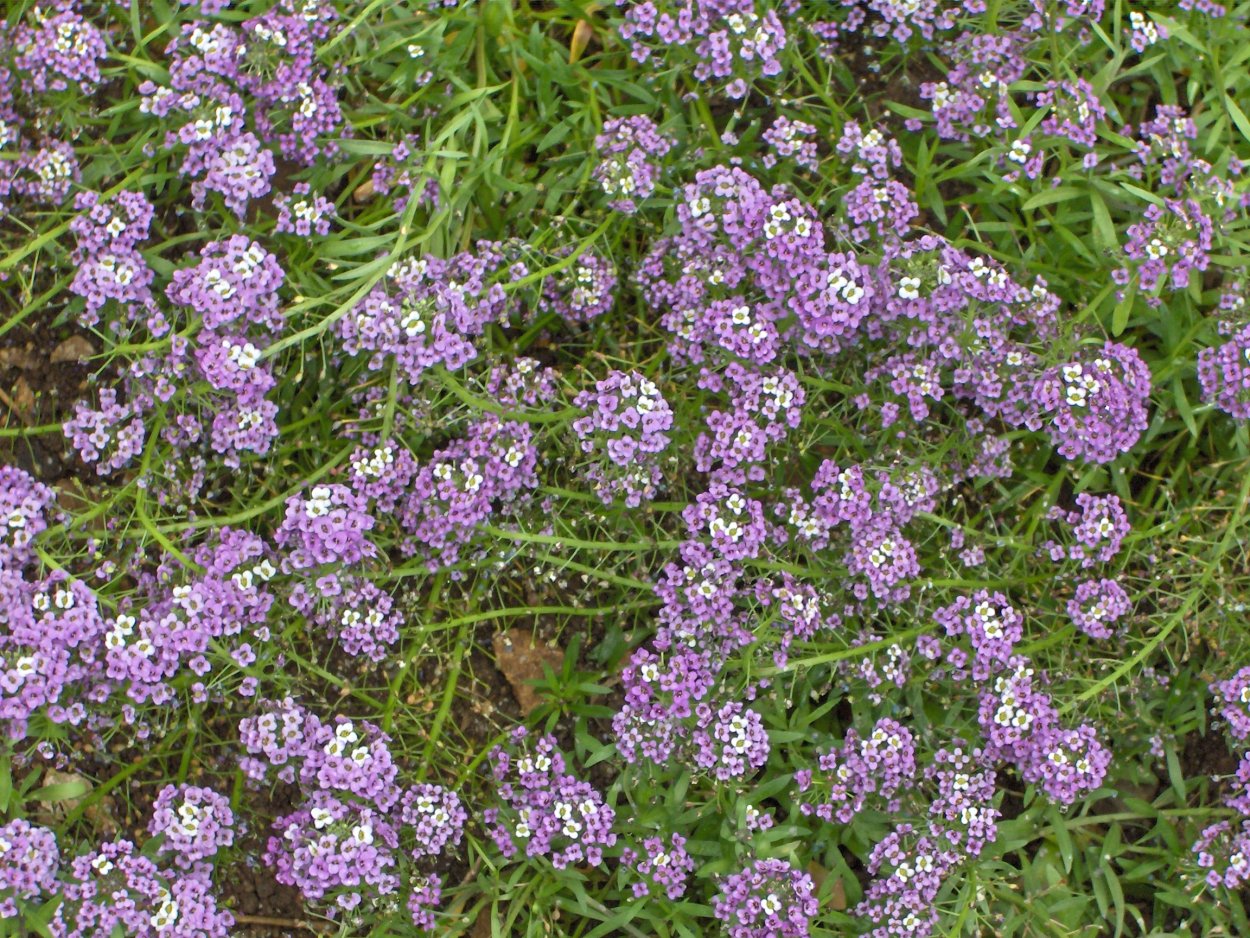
{"type": "Point", "coordinates": [673, 468]}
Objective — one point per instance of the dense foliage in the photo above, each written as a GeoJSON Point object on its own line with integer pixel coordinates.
{"type": "Point", "coordinates": [686, 467]}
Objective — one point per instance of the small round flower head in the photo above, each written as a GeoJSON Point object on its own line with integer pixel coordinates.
{"type": "Point", "coordinates": [23, 502]}
{"type": "Point", "coordinates": [110, 436]}
{"type": "Point", "coordinates": [729, 741]}
{"type": "Point", "coordinates": [302, 213]}
{"type": "Point", "coordinates": [1223, 852]}
{"type": "Point", "coordinates": [329, 524]}
{"type": "Point", "coordinates": [992, 625]}
{"type": "Point", "coordinates": [114, 888]}
{"type": "Point", "coordinates": [29, 861]}
{"type": "Point", "coordinates": [195, 823]}
{"type": "Point", "coordinates": [884, 558]}
{"type": "Point", "coordinates": [1065, 763]}
{"type": "Point", "coordinates": [766, 899]}
{"type": "Point", "coordinates": [1232, 697]}
{"type": "Point", "coordinates": [1013, 711]}
{"type": "Point", "coordinates": [46, 173]}
{"type": "Point", "coordinates": [1172, 242]}
{"type": "Point", "coordinates": [659, 863]}
{"type": "Point", "coordinates": [791, 140]}
{"type": "Point", "coordinates": [335, 852]}
{"type": "Point", "coordinates": [236, 282]}
{"type": "Point", "coordinates": [733, 523]}
{"type": "Point", "coordinates": [436, 818]}
{"type": "Point", "coordinates": [543, 808]}
{"type": "Point", "coordinates": [730, 41]}
{"type": "Point", "coordinates": [624, 430]}
{"type": "Point", "coordinates": [1094, 407]}
{"type": "Point", "coordinates": [1097, 605]}
{"type": "Point", "coordinates": [1224, 373]}
{"type": "Point", "coordinates": [61, 50]}
{"type": "Point", "coordinates": [476, 476]}
{"type": "Point", "coordinates": [878, 767]}
{"type": "Point", "coordinates": [908, 869]}
{"type": "Point", "coordinates": [582, 291]}
{"type": "Point", "coordinates": [424, 895]}
{"type": "Point", "coordinates": [426, 311]}
{"type": "Point", "coordinates": [1099, 527]}
{"type": "Point", "coordinates": [631, 149]}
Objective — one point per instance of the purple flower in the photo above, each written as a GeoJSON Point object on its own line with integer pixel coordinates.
{"type": "Point", "coordinates": [195, 823]}
{"type": "Point", "coordinates": [631, 149]}
{"type": "Point", "coordinates": [544, 809]}
{"type": "Point", "coordinates": [1094, 406]}
{"type": "Point", "coordinates": [29, 862]}
{"type": "Point", "coordinates": [766, 899]}
{"type": "Point", "coordinates": [624, 430]}
{"type": "Point", "coordinates": [1097, 605]}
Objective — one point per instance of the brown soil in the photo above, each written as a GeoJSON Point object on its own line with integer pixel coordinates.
{"type": "Point", "coordinates": [37, 389]}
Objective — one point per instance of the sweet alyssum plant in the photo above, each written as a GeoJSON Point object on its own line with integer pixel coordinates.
{"type": "Point", "coordinates": [844, 401]}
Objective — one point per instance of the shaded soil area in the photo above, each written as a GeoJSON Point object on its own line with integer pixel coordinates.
{"type": "Point", "coordinates": [43, 371]}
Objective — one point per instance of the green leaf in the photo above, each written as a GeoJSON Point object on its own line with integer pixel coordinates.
{"type": "Point", "coordinates": [1123, 309]}
{"type": "Point", "coordinates": [1051, 196]}
{"type": "Point", "coordinates": [1104, 229]}
{"type": "Point", "coordinates": [1238, 116]}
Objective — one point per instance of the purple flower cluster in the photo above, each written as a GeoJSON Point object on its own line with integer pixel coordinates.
{"type": "Point", "coordinates": [1094, 406]}
{"type": "Point", "coordinates": [1223, 850]}
{"type": "Point", "coordinates": [893, 19]}
{"type": "Point", "coordinates": [492, 466]}
{"type": "Point", "coordinates": [23, 506]}
{"type": "Point", "coordinates": [1097, 605]}
{"type": "Point", "coordinates": [909, 867]}
{"type": "Point", "coordinates": [1172, 242]}
{"type": "Point", "coordinates": [730, 42]}
{"type": "Point", "coordinates": [303, 213]}
{"type": "Point", "coordinates": [234, 291]}
{"type": "Point", "coordinates": [791, 140]}
{"type": "Point", "coordinates": [110, 436]}
{"type": "Point", "coordinates": [108, 263]}
{"type": "Point", "coordinates": [877, 766]}
{"type": "Point", "coordinates": [51, 644]}
{"type": "Point", "coordinates": [624, 431]}
{"type": "Point", "coordinates": [29, 862]}
{"type": "Point", "coordinates": [1021, 724]}
{"type": "Point", "coordinates": [264, 69]}
{"type": "Point", "coordinates": [328, 525]}
{"type": "Point", "coordinates": [1075, 110]}
{"type": "Point", "coordinates": [194, 823]}
{"type": "Point", "coordinates": [1233, 704]}
{"type": "Point", "coordinates": [731, 523]}
{"type": "Point", "coordinates": [426, 311]}
{"type": "Point", "coordinates": [630, 150]}
{"type": "Point", "coordinates": [356, 833]}
{"type": "Point", "coordinates": [356, 612]}
{"type": "Point", "coordinates": [763, 407]}
{"type": "Point", "coordinates": [660, 863]}
{"type": "Point", "coordinates": [174, 621]}
{"type": "Point", "coordinates": [582, 291]}
{"type": "Point", "coordinates": [115, 888]}
{"type": "Point", "coordinates": [766, 899]}
{"type": "Point", "coordinates": [1224, 373]}
{"type": "Point", "coordinates": [543, 808]}
{"type": "Point", "coordinates": [877, 551]}
{"type": "Point", "coordinates": [335, 846]}
{"type": "Point", "coordinates": [61, 50]}
{"type": "Point", "coordinates": [1099, 526]}
{"type": "Point", "coordinates": [973, 101]}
